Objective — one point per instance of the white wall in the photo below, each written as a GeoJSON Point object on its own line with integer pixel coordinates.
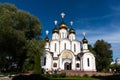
{"type": "Point", "coordinates": [72, 36]}
{"type": "Point", "coordinates": [52, 47]}
{"type": "Point", "coordinates": [63, 33]}
{"type": "Point", "coordinates": [92, 65]}
{"type": "Point", "coordinates": [55, 36]}
{"type": "Point", "coordinates": [77, 44]}
{"type": "Point", "coordinates": [62, 43]}
{"type": "Point", "coordinates": [48, 61]}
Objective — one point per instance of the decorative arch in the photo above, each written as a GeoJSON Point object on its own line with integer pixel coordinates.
{"type": "Point", "coordinates": [66, 54]}
{"type": "Point", "coordinates": [67, 63]}
{"type": "Point", "coordinates": [90, 54]}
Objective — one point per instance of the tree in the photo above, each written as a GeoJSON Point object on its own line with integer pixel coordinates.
{"type": "Point", "coordinates": [17, 29]}
{"type": "Point", "coordinates": [36, 49]}
{"type": "Point", "coordinates": [91, 49]}
{"type": "Point", "coordinates": [103, 55]}
{"type": "Point", "coordinates": [115, 68]}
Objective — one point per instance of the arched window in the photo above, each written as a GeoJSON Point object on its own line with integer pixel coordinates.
{"type": "Point", "coordinates": [55, 47]}
{"type": "Point", "coordinates": [88, 62]}
{"type": "Point", "coordinates": [62, 34]}
{"type": "Point", "coordinates": [55, 65]}
{"type": "Point", "coordinates": [77, 65]}
{"type": "Point", "coordinates": [65, 46]}
{"type": "Point", "coordinates": [44, 60]}
{"type": "Point", "coordinates": [71, 38]}
{"type": "Point", "coordinates": [74, 48]}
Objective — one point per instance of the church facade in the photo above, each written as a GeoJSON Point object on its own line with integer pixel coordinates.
{"type": "Point", "coordinates": [64, 52]}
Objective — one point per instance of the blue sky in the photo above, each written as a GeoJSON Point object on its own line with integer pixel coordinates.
{"type": "Point", "coordinates": [100, 19]}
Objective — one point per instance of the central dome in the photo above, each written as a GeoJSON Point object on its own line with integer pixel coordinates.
{"type": "Point", "coordinates": [63, 26]}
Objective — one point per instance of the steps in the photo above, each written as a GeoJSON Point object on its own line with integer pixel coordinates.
{"type": "Point", "coordinates": [81, 73]}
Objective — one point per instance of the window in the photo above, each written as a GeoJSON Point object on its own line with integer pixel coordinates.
{"type": "Point", "coordinates": [55, 47]}
{"type": "Point", "coordinates": [55, 65]}
{"type": "Point", "coordinates": [77, 65]}
{"type": "Point", "coordinates": [44, 60]}
{"type": "Point", "coordinates": [71, 38]}
{"type": "Point", "coordinates": [65, 46]}
{"type": "Point", "coordinates": [74, 48]}
{"type": "Point", "coordinates": [62, 35]}
{"type": "Point", "coordinates": [88, 62]}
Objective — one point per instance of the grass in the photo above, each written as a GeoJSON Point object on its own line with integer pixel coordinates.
{"type": "Point", "coordinates": [75, 78]}
{"type": "Point", "coordinates": [63, 77]}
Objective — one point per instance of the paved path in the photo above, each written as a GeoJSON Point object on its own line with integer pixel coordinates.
{"type": "Point", "coordinates": [5, 78]}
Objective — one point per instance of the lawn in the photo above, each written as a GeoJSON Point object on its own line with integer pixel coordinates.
{"type": "Point", "coordinates": [74, 78]}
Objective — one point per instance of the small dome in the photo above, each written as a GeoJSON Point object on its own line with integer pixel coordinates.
{"type": "Point", "coordinates": [55, 30]}
{"type": "Point", "coordinates": [84, 40]}
{"type": "Point", "coordinates": [71, 31]}
{"type": "Point", "coordinates": [47, 39]}
{"type": "Point", "coordinates": [62, 26]}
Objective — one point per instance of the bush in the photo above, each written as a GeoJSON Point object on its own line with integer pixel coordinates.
{"type": "Point", "coordinates": [85, 75]}
{"type": "Point", "coordinates": [62, 75]}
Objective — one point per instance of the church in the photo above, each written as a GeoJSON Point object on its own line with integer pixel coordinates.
{"type": "Point", "coordinates": [64, 52]}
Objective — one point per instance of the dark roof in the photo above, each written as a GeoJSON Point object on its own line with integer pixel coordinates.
{"type": "Point", "coordinates": [71, 31]}
{"type": "Point", "coordinates": [55, 30]}
{"type": "Point", "coordinates": [85, 40]}
{"type": "Point", "coordinates": [47, 39]}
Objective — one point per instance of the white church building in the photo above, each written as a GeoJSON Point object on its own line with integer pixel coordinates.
{"type": "Point", "coordinates": [64, 52]}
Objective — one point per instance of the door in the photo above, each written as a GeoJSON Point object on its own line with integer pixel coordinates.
{"type": "Point", "coordinates": [67, 66]}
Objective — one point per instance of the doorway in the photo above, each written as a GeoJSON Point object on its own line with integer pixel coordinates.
{"type": "Point", "coordinates": [67, 66]}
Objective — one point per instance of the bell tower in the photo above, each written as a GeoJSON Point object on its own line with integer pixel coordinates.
{"type": "Point", "coordinates": [85, 43]}
{"type": "Point", "coordinates": [55, 32]}
{"type": "Point", "coordinates": [71, 32]}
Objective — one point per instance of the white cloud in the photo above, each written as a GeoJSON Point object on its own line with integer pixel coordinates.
{"type": "Point", "coordinates": [93, 35]}
{"type": "Point", "coordinates": [113, 38]}
{"type": "Point", "coordinates": [115, 8]}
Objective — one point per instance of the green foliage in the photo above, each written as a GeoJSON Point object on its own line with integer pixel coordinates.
{"type": "Point", "coordinates": [18, 30]}
{"type": "Point", "coordinates": [30, 77]}
{"type": "Point", "coordinates": [85, 75]}
{"type": "Point", "coordinates": [50, 76]}
{"type": "Point", "coordinates": [27, 66]}
{"type": "Point", "coordinates": [103, 55]}
{"type": "Point", "coordinates": [111, 77]}
{"type": "Point", "coordinates": [91, 49]}
{"type": "Point", "coordinates": [35, 50]}
{"type": "Point", "coordinates": [115, 68]}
